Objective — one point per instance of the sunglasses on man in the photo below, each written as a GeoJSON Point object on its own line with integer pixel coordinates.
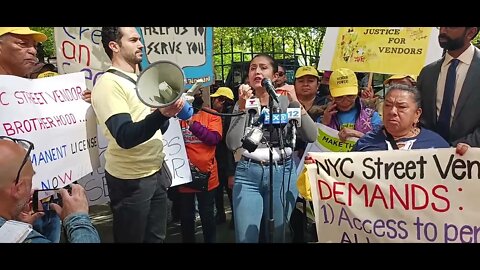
{"type": "Point", "coordinates": [27, 145]}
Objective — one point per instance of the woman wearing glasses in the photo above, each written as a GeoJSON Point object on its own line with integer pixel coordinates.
{"type": "Point", "coordinates": [346, 113]}
{"type": "Point", "coordinates": [281, 80]}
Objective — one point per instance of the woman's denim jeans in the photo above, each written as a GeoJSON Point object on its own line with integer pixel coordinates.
{"type": "Point", "coordinates": [251, 200]}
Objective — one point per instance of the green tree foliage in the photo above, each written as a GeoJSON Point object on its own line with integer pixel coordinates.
{"type": "Point", "coordinates": [301, 40]}
{"type": "Point", "coordinates": [49, 44]}
{"type": "Point", "coordinates": [240, 43]}
{"type": "Point", "coordinates": [476, 41]}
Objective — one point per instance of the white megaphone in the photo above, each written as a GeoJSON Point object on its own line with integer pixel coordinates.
{"type": "Point", "coordinates": [162, 83]}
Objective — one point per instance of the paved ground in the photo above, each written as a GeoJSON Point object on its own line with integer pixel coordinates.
{"type": "Point", "coordinates": [102, 219]}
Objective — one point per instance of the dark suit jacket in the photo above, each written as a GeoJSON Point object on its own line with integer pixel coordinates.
{"type": "Point", "coordinates": [466, 119]}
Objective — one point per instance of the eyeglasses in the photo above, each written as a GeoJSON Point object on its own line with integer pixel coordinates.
{"type": "Point", "coordinates": [27, 145]}
{"type": "Point", "coordinates": [281, 73]}
{"type": "Point", "coordinates": [349, 97]}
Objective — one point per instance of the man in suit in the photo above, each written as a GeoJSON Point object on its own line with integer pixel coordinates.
{"type": "Point", "coordinates": [455, 116]}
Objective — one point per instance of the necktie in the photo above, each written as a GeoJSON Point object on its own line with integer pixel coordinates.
{"type": "Point", "coordinates": [443, 124]}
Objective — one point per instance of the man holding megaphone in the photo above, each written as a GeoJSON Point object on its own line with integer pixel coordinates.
{"type": "Point", "coordinates": [137, 181]}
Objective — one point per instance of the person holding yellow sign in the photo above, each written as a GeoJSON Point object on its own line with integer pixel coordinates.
{"type": "Point", "coordinates": [346, 112]}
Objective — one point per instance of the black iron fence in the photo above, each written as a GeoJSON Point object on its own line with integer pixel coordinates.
{"type": "Point", "coordinates": [231, 64]}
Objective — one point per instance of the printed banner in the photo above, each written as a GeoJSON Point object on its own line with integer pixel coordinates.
{"type": "Point", "coordinates": [388, 50]}
{"type": "Point", "coordinates": [428, 195]}
{"type": "Point", "coordinates": [327, 141]}
{"type": "Point", "coordinates": [51, 113]}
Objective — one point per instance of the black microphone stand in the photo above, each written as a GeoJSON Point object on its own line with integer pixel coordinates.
{"type": "Point", "coordinates": [271, 221]}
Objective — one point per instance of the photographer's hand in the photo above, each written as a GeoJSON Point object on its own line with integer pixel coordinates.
{"type": "Point", "coordinates": [74, 203]}
{"type": "Point", "coordinates": [28, 216]}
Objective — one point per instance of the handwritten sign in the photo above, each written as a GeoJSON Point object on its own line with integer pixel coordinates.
{"type": "Point", "coordinates": [388, 50]}
{"type": "Point", "coordinates": [95, 183]}
{"type": "Point", "coordinates": [428, 195]}
{"type": "Point", "coordinates": [176, 154]}
{"type": "Point", "coordinates": [81, 49]}
{"type": "Point", "coordinates": [51, 113]}
{"type": "Point", "coordinates": [189, 47]}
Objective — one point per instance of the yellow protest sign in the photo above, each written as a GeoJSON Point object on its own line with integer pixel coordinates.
{"type": "Point", "coordinates": [332, 143]}
{"type": "Point", "coordinates": [389, 50]}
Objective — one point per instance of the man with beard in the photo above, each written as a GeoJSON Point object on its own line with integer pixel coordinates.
{"type": "Point", "coordinates": [137, 181]}
{"type": "Point", "coordinates": [450, 88]}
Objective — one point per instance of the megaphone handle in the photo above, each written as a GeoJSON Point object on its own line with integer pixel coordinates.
{"type": "Point", "coordinates": [186, 112]}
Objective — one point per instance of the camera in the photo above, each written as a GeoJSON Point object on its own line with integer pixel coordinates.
{"type": "Point", "coordinates": [43, 198]}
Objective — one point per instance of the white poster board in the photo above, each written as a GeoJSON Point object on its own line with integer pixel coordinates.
{"type": "Point", "coordinates": [416, 196]}
{"type": "Point", "coordinates": [51, 113]}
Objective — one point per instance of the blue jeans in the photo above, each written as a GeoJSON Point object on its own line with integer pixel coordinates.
{"type": "Point", "coordinates": [251, 200]}
{"type": "Point", "coordinates": [49, 226]}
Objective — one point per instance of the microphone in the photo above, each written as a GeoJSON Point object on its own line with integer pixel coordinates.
{"type": "Point", "coordinates": [280, 116]}
{"type": "Point", "coordinates": [294, 118]}
{"type": "Point", "coordinates": [252, 106]}
{"type": "Point", "coordinates": [267, 84]}
{"type": "Point", "coordinates": [253, 135]}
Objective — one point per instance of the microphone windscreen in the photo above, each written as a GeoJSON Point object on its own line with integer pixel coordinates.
{"type": "Point", "coordinates": [267, 83]}
{"type": "Point", "coordinates": [283, 103]}
{"type": "Point", "coordinates": [309, 130]}
{"type": "Point", "coordinates": [294, 104]}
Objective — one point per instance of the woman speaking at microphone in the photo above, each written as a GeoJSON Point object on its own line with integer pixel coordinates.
{"type": "Point", "coordinates": [251, 185]}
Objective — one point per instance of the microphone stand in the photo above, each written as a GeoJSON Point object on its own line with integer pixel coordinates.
{"type": "Point", "coordinates": [271, 221]}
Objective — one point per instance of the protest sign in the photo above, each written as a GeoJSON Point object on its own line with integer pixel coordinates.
{"type": "Point", "coordinates": [81, 49]}
{"type": "Point", "coordinates": [388, 50]}
{"type": "Point", "coordinates": [327, 141]}
{"type": "Point", "coordinates": [51, 113]}
{"type": "Point", "coordinates": [428, 195]}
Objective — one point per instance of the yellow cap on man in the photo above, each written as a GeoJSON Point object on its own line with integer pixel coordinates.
{"type": "Point", "coordinates": [343, 82]}
{"type": "Point", "coordinates": [223, 91]}
{"type": "Point", "coordinates": [37, 36]}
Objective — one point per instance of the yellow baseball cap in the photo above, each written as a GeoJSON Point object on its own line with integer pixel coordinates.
{"type": "Point", "coordinates": [306, 70]}
{"type": "Point", "coordinates": [37, 36]}
{"type": "Point", "coordinates": [412, 78]}
{"type": "Point", "coordinates": [343, 82]}
{"type": "Point", "coordinates": [47, 74]}
{"type": "Point", "coordinates": [223, 91]}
